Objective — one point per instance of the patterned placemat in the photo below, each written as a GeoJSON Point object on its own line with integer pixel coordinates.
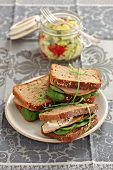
{"type": "Point", "coordinates": [101, 57]}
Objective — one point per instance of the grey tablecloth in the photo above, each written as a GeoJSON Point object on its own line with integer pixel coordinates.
{"type": "Point", "coordinates": [20, 60]}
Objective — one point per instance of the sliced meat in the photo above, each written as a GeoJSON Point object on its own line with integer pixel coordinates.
{"type": "Point", "coordinates": [54, 125]}
{"type": "Point", "coordinates": [17, 102]}
{"type": "Point", "coordinates": [72, 91]}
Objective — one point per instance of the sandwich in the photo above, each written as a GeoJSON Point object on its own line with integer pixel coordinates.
{"type": "Point", "coordinates": [64, 99]}
{"type": "Point", "coordinates": [30, 98]}
{"type": "Point", "coordinates": [80, 85]}
{"type": "Point", "coordinates": [39, 95]}
{"type": "Point", "coordinates": [69, 122]}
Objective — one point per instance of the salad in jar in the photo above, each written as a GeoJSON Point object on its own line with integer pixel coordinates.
{"type": "Point", "coordinates": [60, 42]}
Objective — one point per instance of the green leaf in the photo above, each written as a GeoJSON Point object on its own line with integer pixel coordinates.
{"type": "Point", "coordinates": [41, 98]}
{"type": "Point", "coordinates": [29, 115]}
{"type": "Point", "coordinates": [61, 132]}
{"type": "Point", "coordinates": [54, 95]}
{"type": "Point", "coordinates": [95, 93]}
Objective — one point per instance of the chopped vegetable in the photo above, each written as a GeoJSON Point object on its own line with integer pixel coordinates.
{"type": "Point", "coordinates": [60, 47]}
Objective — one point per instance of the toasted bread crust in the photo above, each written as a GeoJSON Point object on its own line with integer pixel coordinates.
{"type": "Point", "coordinates": [72, 82]}
{"type": "Point", "coordinates": [67, 111]}
{"type": "Point", "coordinates": [89, 100]}
{"type": "Point", "coordinates": [22, 90]}
{"type": "Point", "coordinates": [74, 134]}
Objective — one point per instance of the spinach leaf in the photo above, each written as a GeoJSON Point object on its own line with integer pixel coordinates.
{"type": "Point", "coordinates": [29, 115]}
{"type": "Point", "coordinates": [55, 95]}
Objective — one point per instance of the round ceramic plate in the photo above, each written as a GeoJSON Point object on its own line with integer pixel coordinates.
{"type": "Point", "coordinates": [33, 129]}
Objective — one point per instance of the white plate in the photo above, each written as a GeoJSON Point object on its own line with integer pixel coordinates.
{"type": "Point", "coordinates": [33, 129]}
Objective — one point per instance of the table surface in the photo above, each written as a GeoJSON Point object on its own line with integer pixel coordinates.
{"type": "Point", "coordinates": [20, 60]}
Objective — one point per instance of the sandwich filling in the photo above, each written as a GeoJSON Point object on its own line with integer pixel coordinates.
{"type": "Point", "coordinates": [51, 126]}
{"type": "Point", "coordinates": [81, 123]}
{"type": "Point", "coordinates": [58, 95]}
{"type": "Point", "coordinates": [63, 127]}
{"type": "Point", "coordinates": [30, 115]}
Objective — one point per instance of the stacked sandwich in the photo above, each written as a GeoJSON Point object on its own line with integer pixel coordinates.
{"type": "Point", "coordinates": [64, 99]}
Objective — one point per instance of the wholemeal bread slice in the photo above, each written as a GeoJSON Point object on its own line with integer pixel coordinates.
{"type": "Point", "coordinates": [26, 94]}
{"type": "Point", "coordinates": [63, 78]}
{"type": "Point", "coordinates": [67, 112]}
{"type": "Point", "coordinates": [75, 133]}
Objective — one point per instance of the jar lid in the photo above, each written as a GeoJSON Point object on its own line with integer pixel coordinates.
{"type": "Point", "coordinates": [24, 27]}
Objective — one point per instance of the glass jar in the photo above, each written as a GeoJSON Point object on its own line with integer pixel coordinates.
{"type": "Point", "coordinates": [61, 42]}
